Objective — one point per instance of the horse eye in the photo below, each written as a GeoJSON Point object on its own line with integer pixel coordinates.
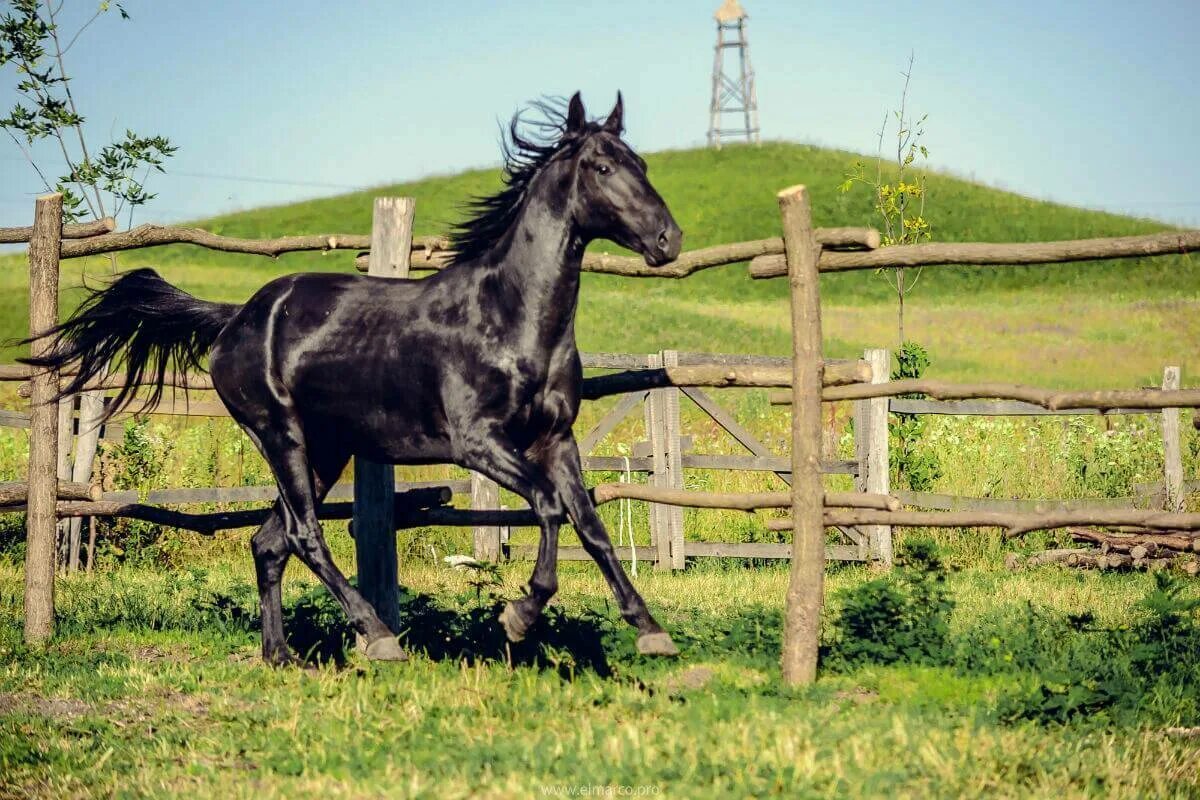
{"type": "Point", "coordinates": [604, 169]}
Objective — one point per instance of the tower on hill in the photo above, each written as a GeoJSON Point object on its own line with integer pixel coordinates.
{"type": "Point", "coordinates": [733, 113]}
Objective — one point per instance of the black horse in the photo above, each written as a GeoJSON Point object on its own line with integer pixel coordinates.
{"type": "Point", "coordinates": [476, 365]}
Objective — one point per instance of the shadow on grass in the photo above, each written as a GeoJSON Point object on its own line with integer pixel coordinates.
{"type": "Point", "coordinates": [469, 630]}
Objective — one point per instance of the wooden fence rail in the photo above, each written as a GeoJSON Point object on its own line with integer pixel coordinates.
{"type": "Point", "coordinates": [988, 254]}
{"type": "Point", "coordinates": [80, 230]}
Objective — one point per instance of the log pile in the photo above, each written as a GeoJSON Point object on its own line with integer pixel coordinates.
{"type": "Point", "coordinates": [1126, 550]}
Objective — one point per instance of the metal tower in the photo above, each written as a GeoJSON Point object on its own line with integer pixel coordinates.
{"type": "Point", "coordinates": [732, 94]}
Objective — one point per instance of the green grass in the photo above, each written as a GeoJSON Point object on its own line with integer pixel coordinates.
{"type": "Point", "coordinates": [154, 690]}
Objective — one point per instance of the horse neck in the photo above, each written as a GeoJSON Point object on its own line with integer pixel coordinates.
{"type": "Point", "coordinates": [540, 265]}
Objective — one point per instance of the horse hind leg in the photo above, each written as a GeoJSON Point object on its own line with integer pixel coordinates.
{"type": "Point", "coordinates": [270, 557]}
{"type": "Point", "coordinates": [284, 447]}
{"type": "Point", "coordinates": [271, 553]}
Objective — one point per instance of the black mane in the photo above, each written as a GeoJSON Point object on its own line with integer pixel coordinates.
{"type": "Point", "coordinates": [524, 156]}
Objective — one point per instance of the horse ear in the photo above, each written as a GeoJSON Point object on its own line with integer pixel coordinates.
{"type": "Point", "coordinates": [576, 116]}
{"type": "Point", "coordinates": [616, 120]}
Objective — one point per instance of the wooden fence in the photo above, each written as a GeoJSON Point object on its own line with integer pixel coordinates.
{"type": "Point", "coordinates": [801, 254]}
{"type": "Point", "coordinates": [662, 457]}
{"type": "Point", "coordinates": [1168, 495]}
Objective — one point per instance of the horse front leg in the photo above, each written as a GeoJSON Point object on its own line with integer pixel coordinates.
{"type": "Point", "coordinates": [495, 456]}
{"type": "Point", "coordinates": [563, 468]}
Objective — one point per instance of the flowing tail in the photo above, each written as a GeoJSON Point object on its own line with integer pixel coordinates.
{"type": "Point", "coordinates": [139, 323]}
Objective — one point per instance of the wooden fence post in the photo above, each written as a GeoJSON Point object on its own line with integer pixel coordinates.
{"type": "Point", "coordinates": [1172, 448]}
{"type": "Point", "coordinates": [44, 247]}
{"type": "Point", "coordinates": [66, 418]}
{"type": "Point", "coordinates": [802, 622]}
{"type": "Point", "coordinates": [485, 494]}
{"type": "Point", "coordinates": [673, 437]}
{"type": "Point", "coordinates": [662, 429]}
{"type": "Point", "coordinates": [91, 407]}
{"type": "Point", "coordinates": [652, 413]}
{"type": "Point", "coordinates": [375, 484]}
{"type": "Point", "coordinates": [871, 436]}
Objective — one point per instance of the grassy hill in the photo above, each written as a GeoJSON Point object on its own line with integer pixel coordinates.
{"type": "Point", "coordinates": [1076, 324]}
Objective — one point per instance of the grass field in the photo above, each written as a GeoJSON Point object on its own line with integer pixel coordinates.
{"type": "Point", "coordinates": [152, 687]}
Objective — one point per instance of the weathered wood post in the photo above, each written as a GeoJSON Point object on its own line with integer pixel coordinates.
{"type": "Point", "coordinates": [66, 417]}
{"type": "Point", "coordinates": [672, 437]}
{"type": "Point", "coordinates": [485, 494]}
{"type": "Point", "coordinates": [802, 622]}
{"type": "Point", "coordinates": [663, 431]}
{"type": "Point", "coordinates": [375, 484]}
{"type": "Point", "coordinates": [1172, 448]}
{"type": "Point", "coordinates": [871, 440]}
{"type": "Point", "coordinates": [91, 407]}
{"type": "Point", "coordinates": [44, 247]}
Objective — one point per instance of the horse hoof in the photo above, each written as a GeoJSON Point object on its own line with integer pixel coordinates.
{"type": "Point", "coordinates": [515, 628]}
{"type": "Point", "coordinates": [386, 649]}
{"type": "Point", "coordinates": [656, 644]}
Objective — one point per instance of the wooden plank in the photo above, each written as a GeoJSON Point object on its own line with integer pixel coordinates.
{"type": "Point", "coordinates": [690, 359]}
{"type": "Point", "coordinates": [14, 419]}
{"type": "Point", "coordinates": [617, 463]}
{"type": "Point", "coordinates": [733, 428]}
{"type": "Point", "coordinates": [20, 419]}
{"type": "Point", "coordinates": [1172, 447]}
{"type": "Point", "coordinates": [526, 552]}
{"type": "Point", "coordinates": [995, 408]}
{"type": "Point", "coordinates": [1118, 399]}
{"type": "Point", "coordinates": [1155, 488]}
{"type": "Point", "coordinates": [610, 421]}
{"type": "Point", "coordinates": [805, 592]}
{"type": "Point", "coordinates": [949, 502]}
{"type": "Point", "coordinates": [254, 494]}
{"type": "Point", "coordinates": [765, 550]}
{"type": "Point", "coordinates": [877, 479]}
{"type": "Point", "coordinates": [44, 248]}
{"type": "Point", "coordinates": [374, 484]}
{"type": "Point", "coordinates": [717, 461]}
{"type": "Point", "coordinates": [776, 464]}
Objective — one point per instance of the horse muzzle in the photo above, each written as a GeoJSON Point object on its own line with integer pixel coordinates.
{"type": "Point", "coordinates": [665, 246]}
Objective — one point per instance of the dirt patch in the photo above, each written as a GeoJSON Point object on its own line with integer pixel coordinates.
{"type": "Point", "coordinates": [32, 704]}
{"type": "Point", "coordinates": [690, 679]}
{"type": "Point", "coordinates": [124, 711]}
{"type": "Point", "coordinates": [858, 696]}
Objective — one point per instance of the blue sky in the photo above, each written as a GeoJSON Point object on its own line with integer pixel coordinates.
{"type": "Point", "coordinates": [1089, 103]}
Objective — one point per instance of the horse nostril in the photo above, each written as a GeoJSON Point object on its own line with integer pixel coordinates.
{"type": "Point", "coordinates": [663, 240]}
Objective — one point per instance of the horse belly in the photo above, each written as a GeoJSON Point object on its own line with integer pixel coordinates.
{"type": "Point", "coordinates": [388, 427]}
